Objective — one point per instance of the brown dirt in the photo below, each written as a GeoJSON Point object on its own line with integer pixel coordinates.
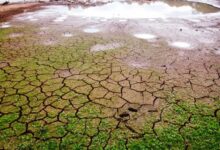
{"type": "Point", "coordinates": [12, 9]}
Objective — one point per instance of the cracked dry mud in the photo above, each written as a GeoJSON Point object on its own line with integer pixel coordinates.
{"type": "Point", "coordinates": [57, 93]}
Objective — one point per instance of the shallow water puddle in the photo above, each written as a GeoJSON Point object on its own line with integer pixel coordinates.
{"type": "Point", "coordinates": [60, 19]}
{"type": "Point", "coordinates": [145, 36]}
{"type": "Point", "coordinates": [91, 30]}
{"type": "Point", "coordinates": [67, 34]}
{"type": "Point", "coordinates": [152, 19]}
{"type": "Point", "coordinates": [103, 47]}
{"type": "Point", "coordinates": [137, 64]}
{"type": "Point", "coordinates": [122, 20]}
{"type": "Point", "coordinates": [43, 28]}
{"type": "Point", "coordinates": [5, 25]}
{"type": "Point", "coordinates": [104, 20]}
{"type": "Point", "coordinates": [33, 19]}
{"type": "Point", "coordinates": [157, 9]}
{"type": "Point", "coordinates": [180, 44]}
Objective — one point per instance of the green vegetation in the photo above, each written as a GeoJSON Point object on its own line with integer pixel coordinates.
{"type": "Point", "coordinates": [66, 97]}
{"type": "Point", "coordinates": [197, 132]}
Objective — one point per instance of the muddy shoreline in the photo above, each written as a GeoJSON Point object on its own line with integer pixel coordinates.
{"type": "Point", "coordinates": [12, 9]}
{"type": "Point", "coordinates": [6, 11]}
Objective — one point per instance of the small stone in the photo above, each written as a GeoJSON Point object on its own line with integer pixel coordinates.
{"type": "Point", "coordinates": [132, 109]}
{"type": "Point", "coordinates": [124, 114]}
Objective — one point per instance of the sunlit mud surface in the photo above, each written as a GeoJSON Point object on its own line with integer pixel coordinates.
{"type": "Point", "coordinates": [74, 77]}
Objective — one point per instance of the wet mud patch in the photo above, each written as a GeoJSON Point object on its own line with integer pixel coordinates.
{"type": "Point", "coordinates": [138, 63]}
{"type": "Point", "coordinates": [105, 47]}
{"type": "Point", "coordinates": [91, 30]}
{"type": "Point", "coordinates": [61, 19]}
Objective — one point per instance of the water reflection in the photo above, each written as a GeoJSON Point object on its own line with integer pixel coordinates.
{"type": "Point", "coordinates": [5, 25]}
{"type": "Point", "coordinates": [145, 36]}
{"type": "Point", "coordinates": [91, 30]}
{"type": "Point", "coordinates": [157, 9]}
{"type": "Point", "coordinates": [180, 44]}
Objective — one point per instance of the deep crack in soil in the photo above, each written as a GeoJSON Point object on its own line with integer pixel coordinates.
{"type": "Point", "coordinates": [109, 89]}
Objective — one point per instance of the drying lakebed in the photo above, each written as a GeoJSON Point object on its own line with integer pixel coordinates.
{"type": "Point", "coordinates": [119, 75]}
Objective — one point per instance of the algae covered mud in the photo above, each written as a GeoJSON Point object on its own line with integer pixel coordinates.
{"type": "Point", "coordinates": [117, 75]}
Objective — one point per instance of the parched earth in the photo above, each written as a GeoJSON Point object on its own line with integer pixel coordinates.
{"type": "Point", "coordinates": [82, 83]}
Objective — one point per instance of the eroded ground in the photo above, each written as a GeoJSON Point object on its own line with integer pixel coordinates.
{"type": "Point", "coordinates": [72, 82]}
